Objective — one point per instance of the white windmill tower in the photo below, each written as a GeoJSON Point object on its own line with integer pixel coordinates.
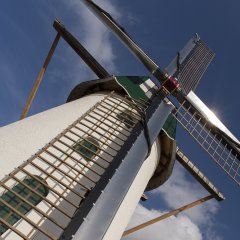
{"type": "Point", "coordinates": [78, 171]}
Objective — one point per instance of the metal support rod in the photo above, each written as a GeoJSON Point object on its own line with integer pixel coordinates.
{"type": "Point", "coordinates": [166, 215]}
{"type": "Point", "coordinates": [80, 50]}
{"type": "Point", "coordinates": [40, 76]}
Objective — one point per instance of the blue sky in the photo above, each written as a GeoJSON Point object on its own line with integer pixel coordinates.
{"type": "Point", "coordinates": [161, 28]}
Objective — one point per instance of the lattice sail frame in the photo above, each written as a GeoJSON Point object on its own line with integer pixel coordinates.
{"type": "Point", "coordinates": [191, 63]}
{"type": "Point", "coordinates": [218, 148]}
{"type": "Point", "coordinates": [222, 151]}
{"type": "Point", "coordinates": [68, 175]}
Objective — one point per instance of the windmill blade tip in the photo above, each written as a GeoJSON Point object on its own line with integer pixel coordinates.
{"type": "Point", "coordinates": [197, 37]}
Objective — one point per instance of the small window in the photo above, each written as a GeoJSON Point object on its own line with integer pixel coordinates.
{"type": "Point", "coordinates": [126, 117]}
{"type": "Point", "coordinates": [11, 217]}
{"type": "Point", "coordinates": [87, 147]}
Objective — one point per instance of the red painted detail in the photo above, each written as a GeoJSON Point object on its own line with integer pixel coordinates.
{"type": "Point", "coordinates": [171, 84]}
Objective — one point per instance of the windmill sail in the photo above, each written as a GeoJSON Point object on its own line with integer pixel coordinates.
{"type": "Point", "coordinates": [126, 39]}
{"type": "Point", "coordinates": [188, 67]}
{"type": "Point", "coordinates": [220, 145]}
{"type": "Point", "coordinates": [211, 117]}
{"type": "Point", "coordinates": [217, 141]}
{"type": "Point", "coordinates": [190, 64]}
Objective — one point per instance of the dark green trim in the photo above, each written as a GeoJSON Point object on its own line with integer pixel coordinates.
{"type": "Point", "coordinates": [132, 87]}
{"type": "Point", "coordinates": [170, 126]}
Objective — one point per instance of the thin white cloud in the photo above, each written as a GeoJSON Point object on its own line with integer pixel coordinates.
{"type": "Point", "coordinates": [178, 191]}
{"type": "Point", "coordinates": [94, 35]}
{"type": "Point", "coordinates": [175, 228]}
{"type": "Point", "coordinates": [196, 223]}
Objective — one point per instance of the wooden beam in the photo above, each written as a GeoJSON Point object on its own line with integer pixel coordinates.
{"type": "Point", "coordinates": [39, 78]}
{"type": "Point", "coordinates": [166, 215]}
{"type": "Point", "coordinates": [80, 50]}
{"type": "Point", "coordinates": [198, 175]}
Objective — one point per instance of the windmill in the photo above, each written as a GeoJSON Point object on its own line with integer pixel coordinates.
{"type": "Point", "coordinates": [85, 180]}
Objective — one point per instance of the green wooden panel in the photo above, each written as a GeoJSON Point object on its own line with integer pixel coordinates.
{"type": "Point", "coordinates": [7, 214]}
{"type": "Point", "coordinates": [126, 118]}
{"type": "Point", "coordinates": [87, 148]}
{"type": "Point", "coordinates": [132, 85]}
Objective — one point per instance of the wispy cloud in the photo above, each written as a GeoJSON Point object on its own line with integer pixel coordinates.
{"type": "Point", "coordinates": [174, 228]}
{"type": "Point", "coordinates": [94, 36]}
{"type": "Point", "coordinates": [196, 223]}
{"type": "Point", "coordinates": [179, 191]}
{"type": "Point", "coordinates": [97, 36]}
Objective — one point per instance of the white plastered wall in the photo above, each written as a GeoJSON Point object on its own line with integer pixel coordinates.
{"type": "Point", "coordinates": [22, 139]}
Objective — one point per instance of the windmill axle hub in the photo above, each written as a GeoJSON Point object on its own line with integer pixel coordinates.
{"type": "Point", "coordinates": [171, 84]}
